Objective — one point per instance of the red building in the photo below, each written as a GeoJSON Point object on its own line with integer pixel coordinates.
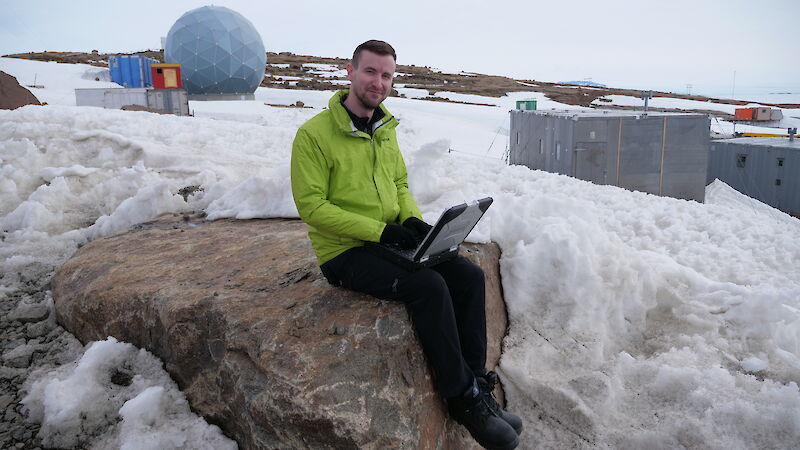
{"type": "Point", "coordinates": [167, 76]}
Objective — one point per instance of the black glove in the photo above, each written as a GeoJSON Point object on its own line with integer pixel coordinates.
{"type": "Point", "coordinates": [420, 228]}
{"type": "Point", "coordinates": [395, 234]}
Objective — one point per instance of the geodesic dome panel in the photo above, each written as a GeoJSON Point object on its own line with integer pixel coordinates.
{"type": "Point", "coordinates": [220, 52]}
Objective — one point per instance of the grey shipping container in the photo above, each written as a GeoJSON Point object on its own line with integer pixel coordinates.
{"type": "Point", "coordinates": [766, 169]}
{"type": "Point", "coordinates": [663, 154]}
{"type": "Point", "coordinates": [173, 101]}
{"type": "Point", "coordinates": [111, 98]}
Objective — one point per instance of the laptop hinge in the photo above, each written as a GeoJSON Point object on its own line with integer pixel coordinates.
{"type": "Point", "coordinates": [424, 258]}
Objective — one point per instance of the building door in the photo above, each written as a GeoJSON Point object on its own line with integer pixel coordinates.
{"type": "Point", "coordinates": [170, 78]}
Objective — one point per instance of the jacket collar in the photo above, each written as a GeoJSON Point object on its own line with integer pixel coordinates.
{"type": "Point", "coordinates": [343, 121]}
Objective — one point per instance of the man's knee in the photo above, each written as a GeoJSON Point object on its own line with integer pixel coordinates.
{"type": "Point", "coordinates": [476, 273]}
{"type": "Point", "coordinates": [471, 274]}
{"type": "Point", "coordinates": [426, 284]}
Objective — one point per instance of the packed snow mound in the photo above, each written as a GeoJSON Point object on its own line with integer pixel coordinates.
{"type": "Point", "coordinates": [719, 193]}
{"type": "Point", "coordinates": [635, 320]}
{"type": "Point", "coordinates": [116, 396]}
{"type": "Point", "coordinates": [68, 175]}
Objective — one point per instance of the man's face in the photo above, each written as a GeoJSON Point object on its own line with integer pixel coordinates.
{"type": "Point", "coordinates": [371, 81]}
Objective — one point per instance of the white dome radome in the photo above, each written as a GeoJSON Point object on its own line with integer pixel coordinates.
{"type": "Point", "coordinates": [220, 52]}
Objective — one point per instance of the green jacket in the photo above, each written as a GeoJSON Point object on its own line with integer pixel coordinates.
{"type": "Point", "coordinates": [346, 184]}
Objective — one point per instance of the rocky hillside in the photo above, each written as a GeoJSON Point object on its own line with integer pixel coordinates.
{"type": "Point", "coordinates": [285, 66]}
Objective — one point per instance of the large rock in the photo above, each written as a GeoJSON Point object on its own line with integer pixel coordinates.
{"type": "Point", "coordinates": [12, 95]}
{"type": "Point", "coordinates": [257, 339]}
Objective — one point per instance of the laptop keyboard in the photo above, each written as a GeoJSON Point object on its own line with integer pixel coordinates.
{"type": "Point", "coordinates": [407, 252]}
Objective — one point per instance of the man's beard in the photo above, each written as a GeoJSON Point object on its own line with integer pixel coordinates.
{"type": "Point", "coordinates": [367, 103]}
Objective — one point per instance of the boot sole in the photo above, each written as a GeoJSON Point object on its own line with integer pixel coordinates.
{"type": "Point", "coordinates": [509, 446]}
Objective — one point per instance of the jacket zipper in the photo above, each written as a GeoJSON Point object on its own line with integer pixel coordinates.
{"type": "Point", "coordinates": [375, 161]}
{"type": "Point", "coordinates": [354, 133]}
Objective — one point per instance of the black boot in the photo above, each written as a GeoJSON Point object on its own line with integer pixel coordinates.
{"type": "Point", "coordinates": [486, 427]}
{"type": "Point", "coordinates": [486, 384]}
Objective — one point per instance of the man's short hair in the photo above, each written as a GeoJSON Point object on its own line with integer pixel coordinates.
{"type": "Point", "coordinates": [379, 47]}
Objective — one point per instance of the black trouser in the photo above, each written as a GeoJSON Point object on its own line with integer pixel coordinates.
{"type": "Point", "coordinates": [445, 302]}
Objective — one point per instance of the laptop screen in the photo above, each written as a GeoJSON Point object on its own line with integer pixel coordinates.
{"type": "Point", "coordinates": [452, 228]}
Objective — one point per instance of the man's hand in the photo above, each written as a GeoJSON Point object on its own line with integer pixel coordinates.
{"type": "Point", "coordinates": [396, 234]}
{"type": "Point", "coordinates": [418, 226]}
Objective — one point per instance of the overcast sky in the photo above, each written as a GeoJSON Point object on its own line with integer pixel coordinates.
{"type": "Point", "coordinates": [625, 43]}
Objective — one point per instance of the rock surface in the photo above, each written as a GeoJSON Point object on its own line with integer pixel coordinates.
{"type": "Point", "coordinates": [257, 339]}
{"type": "Point", "coordinates": [12, 95]}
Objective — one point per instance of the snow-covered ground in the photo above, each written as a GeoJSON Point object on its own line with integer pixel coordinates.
{"type": "Point", "coordinates": [791, 117]}
{"type": "Point", "coordinates": [636, 321]}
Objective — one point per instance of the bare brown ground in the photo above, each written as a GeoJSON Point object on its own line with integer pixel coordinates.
{"type": "Point", "coordinates": [423, 77]}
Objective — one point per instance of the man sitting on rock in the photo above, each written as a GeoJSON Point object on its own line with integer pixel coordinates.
{"type": "Point", "coordinates": [350, 185]}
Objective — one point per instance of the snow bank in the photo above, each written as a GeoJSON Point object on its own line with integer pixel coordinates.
{"type": "Point", "coordinates": [116, 396]}
{"type": "Point", "coordinates": [635, 320]}
{"type": "Point", "coordinates": [56, 82]}
{"type": "Point", "coordinates": [73, 174]}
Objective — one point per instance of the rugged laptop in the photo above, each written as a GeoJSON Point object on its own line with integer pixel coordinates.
{"type": "Point", "coordinates": [441, 243]}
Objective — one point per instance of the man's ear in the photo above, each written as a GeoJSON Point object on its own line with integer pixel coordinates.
{"type": "Point", "coordinates": [350, 70]}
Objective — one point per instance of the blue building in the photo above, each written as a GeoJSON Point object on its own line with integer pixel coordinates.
{"type": "Point", "coordinates": [131, 71]}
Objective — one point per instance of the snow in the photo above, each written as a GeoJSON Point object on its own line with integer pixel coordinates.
{"type": "Point", "coordinates": [668, 102]}
{"type": "Point", "coordinates": [50, 173]}
{"type": "Point", "coordinates": [791, 117]}
{"type": "Point", "coordinates": [322, 67]}
{"type": "Point", "coordinates": [59, 80]}
{"type": "Point", "coordinates": [287, 78]}
{"type": "Point", "coordinates": [113, 379]}
{"type": "Point", "coordinates": [411, 92]}
{"type": "Point", "coordinates": [636, 321]}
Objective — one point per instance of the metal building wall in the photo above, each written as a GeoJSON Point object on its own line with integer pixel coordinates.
{"type": "Point", "coordinates": [111, 98]}
{"type": "Point", "coordinates": [174, 101]}
{"type": "Point", "coordinates": [131, 71]}
{"type": "Point", "coordinates": [663, 154]}
{"type": "Point", "coordinates": [640, 159]}
{"type": "Point", "coordinates": [538, 141]}
{"type": "Point", "coordinates": [761, 177]}
{"type": "Point", "coordinates": [685, 161]}
{"type": "Point", "coordinates": [595, 150]}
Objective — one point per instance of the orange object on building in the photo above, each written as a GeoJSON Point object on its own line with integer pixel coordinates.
{"type": "Point", "coordinates": [739, 114]}
{"type": "Point", "coordinates": [167, 76]}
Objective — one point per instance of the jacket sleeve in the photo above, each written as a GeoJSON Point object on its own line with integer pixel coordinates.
{"type": "Point", "coordinates": [408, 207]}
{"type": "Point", "coordinates": [310, 176]}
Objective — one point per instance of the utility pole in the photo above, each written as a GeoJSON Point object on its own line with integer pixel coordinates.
{"type": "Point", "coordinates": [733, 89]}
{"type": "Point", "coordinates": [646, 95]}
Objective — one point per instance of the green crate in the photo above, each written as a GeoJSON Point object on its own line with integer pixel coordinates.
{"type": "Point", "coordinates": [526, 105]}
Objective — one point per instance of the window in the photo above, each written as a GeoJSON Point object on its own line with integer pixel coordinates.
{"type": "Point", "coordinates": [541, 147]}
{"type": "Point", "coordinates": [780, 162]}
{"type": "Point", "coordinates": [558, 151]}
{"type": "Point", "coordinates": [740, 160]}
{"type": "Point", "coordinates": [517, 137]}
{"type": "Point", "coordinates": [777, 182]}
